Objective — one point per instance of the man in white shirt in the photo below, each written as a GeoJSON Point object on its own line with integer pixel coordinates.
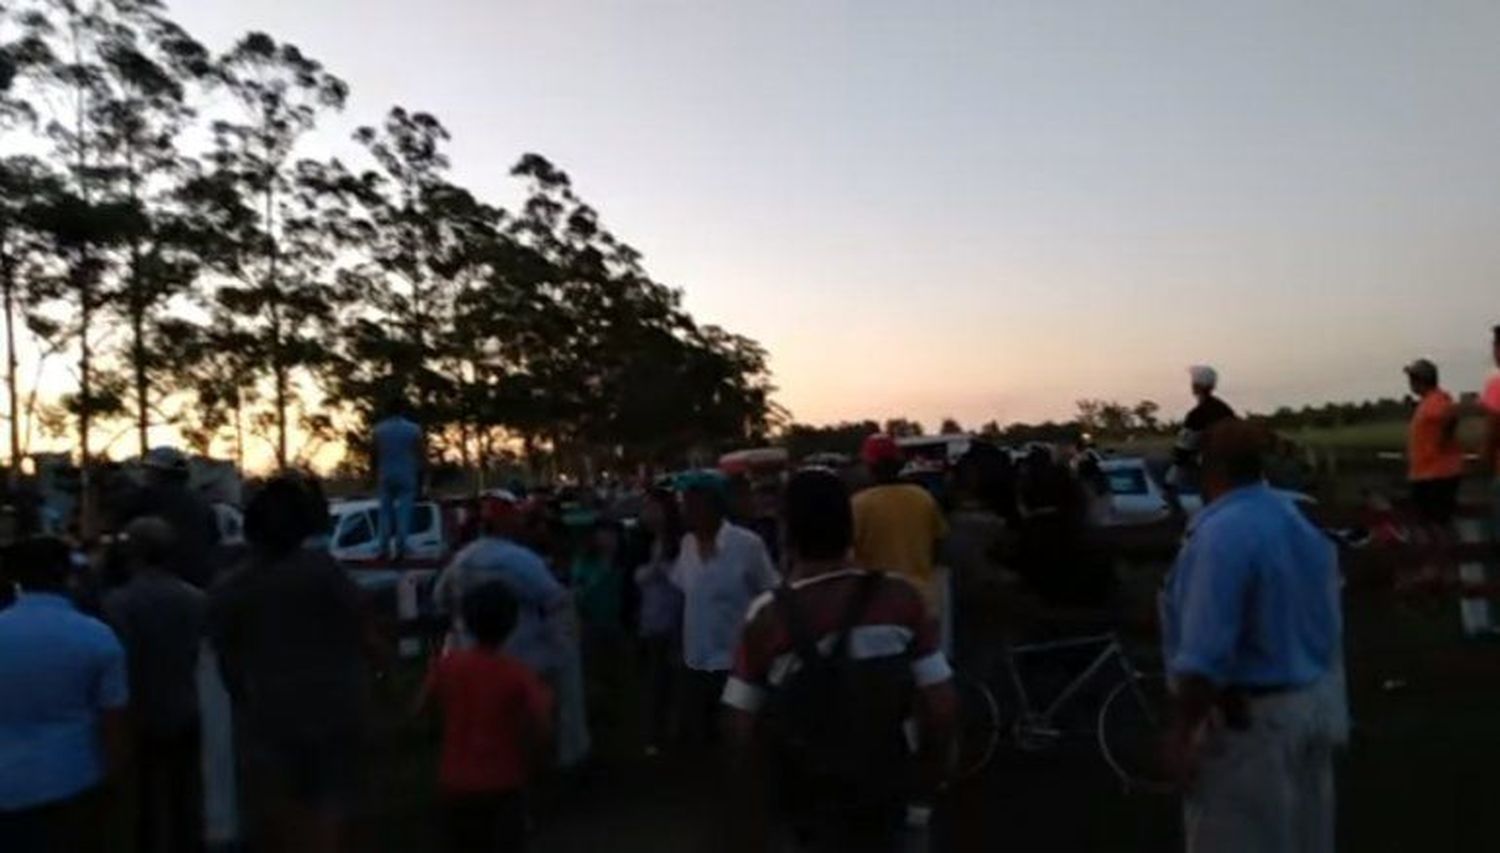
{"type": "Point", "coordinates": [720, 569]}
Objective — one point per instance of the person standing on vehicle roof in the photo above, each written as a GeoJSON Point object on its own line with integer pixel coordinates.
{"type": "Point", "coordinates": [1251, 627]}
{"type": "Point", "coordinates": [398, 451]}
{"type": "Point", "coordinates": [1209, 411]}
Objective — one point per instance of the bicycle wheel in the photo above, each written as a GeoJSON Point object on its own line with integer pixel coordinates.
{"type": "Point", "coordinates": [979, 726]}
{"type": "Point", "coordinates": [1132, 727]}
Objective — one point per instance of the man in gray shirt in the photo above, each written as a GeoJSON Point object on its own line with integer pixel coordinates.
{"type": "Point", "coordinates": [160, 620]}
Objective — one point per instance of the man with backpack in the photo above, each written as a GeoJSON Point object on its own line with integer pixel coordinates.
{"type": "Point", "coordinates": [829, 669]}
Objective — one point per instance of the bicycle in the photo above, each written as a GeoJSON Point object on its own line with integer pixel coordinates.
{"type": "Point", "coordinates": [1128, 727]}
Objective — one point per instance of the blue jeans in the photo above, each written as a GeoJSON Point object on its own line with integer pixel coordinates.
{"type": "Point", "coordinates": [397, 501]}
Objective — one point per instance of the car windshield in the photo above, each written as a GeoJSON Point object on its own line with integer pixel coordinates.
{"type": "Point", "coordinates": [1126, 481]}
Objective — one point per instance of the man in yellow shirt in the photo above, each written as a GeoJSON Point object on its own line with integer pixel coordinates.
{"type": "Point", "coordinates": [897, 526]}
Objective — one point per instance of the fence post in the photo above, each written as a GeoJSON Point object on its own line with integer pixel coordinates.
{"type": "Point", "coordinates": [406, 614]}
{"type": "Point", "coordinates": [1473, 613]}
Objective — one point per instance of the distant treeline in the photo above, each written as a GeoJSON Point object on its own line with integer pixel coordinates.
{"type": "Point", "coordinates": [1104, 419]}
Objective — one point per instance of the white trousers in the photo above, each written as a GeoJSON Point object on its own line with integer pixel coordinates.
{"type": "Point", "coordinates": [1269, 789]}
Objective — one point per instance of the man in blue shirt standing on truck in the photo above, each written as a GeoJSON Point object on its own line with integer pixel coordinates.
{"type": "Point", "coordinates": [398, 451]}
{"type": "Point", "coordinates": [1252, 627]}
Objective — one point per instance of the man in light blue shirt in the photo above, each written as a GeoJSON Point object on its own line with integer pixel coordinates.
{"type": "Point", "coordinates": [398, 453]}
{"type": "Point", "coordinates": [63, 694]}
{"type": "Point", "coordinates": [1251, 627]}
{"type": "Point", "coordinates": [540, 631]}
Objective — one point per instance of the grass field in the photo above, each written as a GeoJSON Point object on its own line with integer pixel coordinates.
{"type": "Point", "coordinates": [1419, 776]}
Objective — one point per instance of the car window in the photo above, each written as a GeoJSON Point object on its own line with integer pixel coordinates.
{"type": "Point", "coordinates": [422, 519]}
{"type": "Point", "coordinates": [1126, 481]}
{"type": "Point", "coordinates": [357, 531]}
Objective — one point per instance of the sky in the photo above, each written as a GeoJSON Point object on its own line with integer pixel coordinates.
{"type": "Point", "coordinates": [988, 210]}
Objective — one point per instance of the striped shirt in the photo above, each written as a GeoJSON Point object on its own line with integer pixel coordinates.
{"type": "Point", "coordinates": [896, 622]}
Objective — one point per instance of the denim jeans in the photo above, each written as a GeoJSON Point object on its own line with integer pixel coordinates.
{"type": "Point", "coordinates": [397, 503]}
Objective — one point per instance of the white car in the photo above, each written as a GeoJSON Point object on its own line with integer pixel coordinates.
{"type": "Point", "coordinates": [1136, 498]}
{"type": "Point", "coordinates": [354, 527]}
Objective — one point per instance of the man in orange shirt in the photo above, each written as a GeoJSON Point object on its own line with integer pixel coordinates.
{"type": "Point", "coordinates": [1436, 463]}
{"type": "Point", "coordinates": [1490, 400]}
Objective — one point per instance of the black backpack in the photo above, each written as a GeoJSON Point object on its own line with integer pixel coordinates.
{"type": "Point", "coordinates": [836, 724]}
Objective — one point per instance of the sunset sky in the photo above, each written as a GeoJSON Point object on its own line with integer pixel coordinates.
{"type": "Point", "coordinates": [989, 209]}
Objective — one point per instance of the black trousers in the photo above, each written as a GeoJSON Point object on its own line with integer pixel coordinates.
{"type": "Point", "coordinates": [876, 829]}
{"type": "Point", "coordinates": [169, 782]}
{"type": "Point", "coordinates": [74, 824]}
{"type": "Point", "coordinates": [661, 658]}
{"type": "Point", "coordinates": [484, 823]}
{"type": "Point", "coordinates": [701, 693]}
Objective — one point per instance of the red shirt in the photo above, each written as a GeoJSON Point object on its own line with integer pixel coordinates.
{"type": "Point", "coordinates": [492, 706]}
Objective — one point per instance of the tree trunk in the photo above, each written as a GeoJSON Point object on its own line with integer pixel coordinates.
{"type": "Point", "coordinates": [239, 438]}
{"type": "Point", "coordinates": [85, 390]}
{"type": "Point", "coordinates": [282, 393]}
{"type": "Point", "coordinates": [278, 360]}
{"type": "Point", "coordinates": [11, 393]}
{"type": "Point", "coordinates": [138, 353]}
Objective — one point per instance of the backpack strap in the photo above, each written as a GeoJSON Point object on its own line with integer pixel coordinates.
{"type": "Point", "coordinates": [805, 644]}
{"type": "Point", "coordinates": [803, 641]}
{"type": "Point", "coordinates": [859, 602]}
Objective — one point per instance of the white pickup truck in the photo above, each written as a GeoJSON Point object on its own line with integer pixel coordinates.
{"type": "Point", "coordinates": [354, 531]}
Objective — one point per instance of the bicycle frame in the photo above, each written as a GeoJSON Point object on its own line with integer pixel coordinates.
{"type": "Point", "coordinates": [1111, 652]}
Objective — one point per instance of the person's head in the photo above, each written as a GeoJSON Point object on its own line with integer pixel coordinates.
{"type": "Point", "coordinates": [660, 513]}
{"type": "Point", "coordinates": [819, 520]}
{"type": "Point", "coordinates": [1421, 376]}
{"type": "Point", "coordinates": [661, 516]}
{"type": "Point", "coordinates": [490, 613]}
{"type": "Point", "coordinates": [604, 539]}
{"type": "Point", "coordinates": [165, 465]}
{"type": "Point", "coordinates": [883, 456]}
{"type": "Point", "coordinates": [500, 517]}
{"type": "Point", "coordinates": [1204, 380]}
{"type": "Point", "coordinates": [148, 543]}
{"type": "Point", "coordinates": [741, 498]}
{"type": "Point", "coordinates": [283, 514]}
{"type": "Point", "coordinates": [39, 564]}
{"type": "Point", "coordinates": [705, 502]}
{"type": "Point", "coordinates": [1234, 455]}
{"type": "Point", "coordinates": [392, 405]}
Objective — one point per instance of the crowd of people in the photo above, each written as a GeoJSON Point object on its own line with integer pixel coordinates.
{"type": "Point", "coordinates": [806, 632]}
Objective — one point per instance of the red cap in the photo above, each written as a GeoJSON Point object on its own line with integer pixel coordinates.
{"type": "Point", "coordinates": [880, 448]}
{"type": "Point", "coordinates": [494, 510]}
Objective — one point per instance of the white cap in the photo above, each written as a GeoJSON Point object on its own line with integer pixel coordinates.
{"type": "Point", "coordinates": [1204, 376]}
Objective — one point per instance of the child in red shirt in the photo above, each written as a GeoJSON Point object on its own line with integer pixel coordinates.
{"type": "Point", "coordinates": [496, 723]}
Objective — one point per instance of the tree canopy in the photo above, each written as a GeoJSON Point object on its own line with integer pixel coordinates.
{"type": "Point", "coordinates": [200, 264]}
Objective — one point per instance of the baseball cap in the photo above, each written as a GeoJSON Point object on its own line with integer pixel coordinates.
{"type": "Point", "coordinates": [880, 448]}
{"type": "Point", "coordinates": [1204, 376]}
{"type": "Point", "coordinates": [1424, 370]}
